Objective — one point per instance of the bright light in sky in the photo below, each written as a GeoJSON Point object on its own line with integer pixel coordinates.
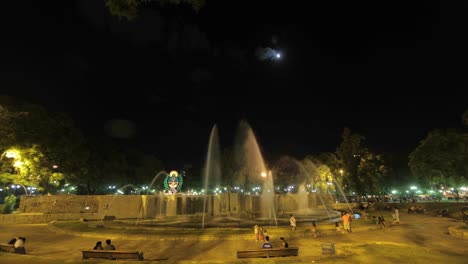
{"type": "Point", "coordinates": [267, 54]}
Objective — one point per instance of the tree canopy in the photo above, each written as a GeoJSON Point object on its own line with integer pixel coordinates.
{"type": "Point", "coordinates": [38, 148]}
{"type": "Point", "coordinates": [441, 158]}
{"type": "Point", "coordinates": [128, 9]}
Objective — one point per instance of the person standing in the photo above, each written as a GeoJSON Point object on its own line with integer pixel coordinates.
{"type": "Point", "coordinates": [292, 222]}
{"type": "Point", "coordinates": [345, 220]}
{"type": "Point", "coordinates": [262, 234]}
{"type": "Point", "coordinates": [314, 229]}
{"type": "Point", "coordinates": [397, 215]}
{"type": "Point", "coordinates": [256, 232]}
{"type": "Point", "coordinates": [350, 216]}
{"type": "Point", "coordinates": [381, 221]}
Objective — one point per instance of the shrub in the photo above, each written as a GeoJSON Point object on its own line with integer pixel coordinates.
{"type": "Point", "coordinates": [9, 204]}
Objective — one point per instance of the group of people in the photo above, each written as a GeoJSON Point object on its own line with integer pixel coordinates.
{"type": "Point", "coordinates": [108, 246]}
{"type": "Point", "coordinates": [262, 235]}
{"type": "Point", "coordinates": [18, 244]}
{"type": "Point", "coordinates": [418, 209]}
{"type": "Point", "coordinates": [267, 244]}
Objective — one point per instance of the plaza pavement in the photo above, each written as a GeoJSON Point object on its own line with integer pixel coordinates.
{"type": "Point", "coordinates": [417, 239]}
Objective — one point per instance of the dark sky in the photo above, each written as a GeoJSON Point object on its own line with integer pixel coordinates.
{"type": "Point", "coordinates": [389, 71]}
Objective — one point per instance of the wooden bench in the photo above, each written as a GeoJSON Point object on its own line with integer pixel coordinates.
{"type": "Point", "coordinates": [112, 254]}
{"type": "Point", "coordinates": [267, 253]}
{"type": "Point", "coordinates": [7, 248]}
{"type": "Point", "coordinates": [328, 248]}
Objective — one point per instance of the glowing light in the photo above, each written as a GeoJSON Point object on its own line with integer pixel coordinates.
{"type": "Point", "coordinates": [264, 174]}
{"type": "Point", "coordinates": [18, 164]}
{"type": "Point", "coordinates": [413, 187]}
{"type": "Point", "coordinates": [278, 55]}
{"type": "Point", "coordinates": [11, 154]}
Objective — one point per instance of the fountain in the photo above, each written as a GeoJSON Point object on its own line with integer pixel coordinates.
{"type": "Point", "coordinates": [144, 198]}
{"type": "Point", "coordinates": [107, 206]}
{"type": "Point", "coordinates": [212, 170]}
{"type": "Point", "coordinates": [342, 193]}
{"type": "Point", "coordinates": [248, 196]}
{"type": "Point", "coordinates": [253, 171]}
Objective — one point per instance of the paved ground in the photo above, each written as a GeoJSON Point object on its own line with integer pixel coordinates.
{"type": "Point", "coordinates": [418, 239]}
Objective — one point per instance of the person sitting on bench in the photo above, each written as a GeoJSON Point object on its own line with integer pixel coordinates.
{"type": "Point", "coordinates": [98, 246]}
{"type": "Point", "coordinates": [267, 243]}
{"type": "Point", "coordinates": [19, 245]}
{"type": "Point", "coordinates": [109, 245]}
{"type": "Point", "coordinates": [284, 244]}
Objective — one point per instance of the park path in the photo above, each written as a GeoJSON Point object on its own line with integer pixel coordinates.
{"type": "Point", "coordinates": [416, 233]}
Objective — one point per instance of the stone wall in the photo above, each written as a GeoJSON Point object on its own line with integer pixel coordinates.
{"type": "Point", "coordinates": [153, 206]}
{"type": "Point", "coordinates": [59, 204]}
{"type": "Point", "coordinates": [8, 219]}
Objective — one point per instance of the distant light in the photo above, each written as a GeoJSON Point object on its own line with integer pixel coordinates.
{"type": "Point", "coordinates": [278, 55]}
{"type": "Point", "coordinates": [413, 187]}
{"type": "Point", "coordinates": [264, 174]}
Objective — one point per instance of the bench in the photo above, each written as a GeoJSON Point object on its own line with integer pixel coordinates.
{"type": "Point", "coordinates": [328, 248]}
{"type": "Point", "coordinates": [267, 253]}
{"type": "Point", "coordinates": [112, 254]}
{"type": "Point", "coordinates": [7, 248]}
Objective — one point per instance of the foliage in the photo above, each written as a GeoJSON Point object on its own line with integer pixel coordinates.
{"type": "Point", "coordinates": [142, 168]}
{"type": "Point", "coordinates": [129, 8]}
{"type": "Point", "coordinates": [320, 174]}
{"type": "Point", "coordinates": [371, 170]}
{"type": "Point", "coordinates": [9, 204]}
{"type": "Point", "coordinates": [441, 158]}
{"type": "Point", "coordinates": [42, 140]}
{"type": "Point", "coordinates": [195, 4]}
{"type": "Point", "coordinates": [107, 165]}
{"type": "Point", "coordinates": [348, 152]}
{"type": "Point", "coordinates": [288, 171]}
{"type": "Point", "coordinates": [123, 8]}
{"type": "Point", "coordinates": [363, 170]}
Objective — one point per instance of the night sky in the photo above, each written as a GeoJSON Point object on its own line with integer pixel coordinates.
{"type": "Point", "coordinates": [390, 71]}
